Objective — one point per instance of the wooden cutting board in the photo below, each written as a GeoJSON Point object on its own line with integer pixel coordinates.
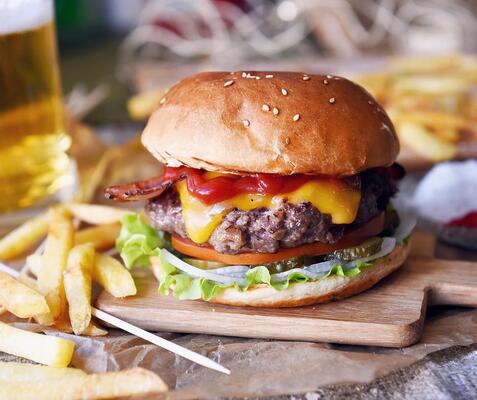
{"type": "Point", "coordinates": [390, 314]}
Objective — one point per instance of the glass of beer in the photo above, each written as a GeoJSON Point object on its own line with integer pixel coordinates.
{"type": "Point", "coordinates": [34, 165]}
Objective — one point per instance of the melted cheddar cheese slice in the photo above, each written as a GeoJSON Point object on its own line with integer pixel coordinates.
{"type": "Point", "coordinates": [329, 196]}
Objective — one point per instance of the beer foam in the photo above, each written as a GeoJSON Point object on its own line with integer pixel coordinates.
{"type": "Point", "coordinates": [23, 15]}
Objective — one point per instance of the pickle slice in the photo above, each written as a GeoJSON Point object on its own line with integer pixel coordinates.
{"type": "Point", "coordinates": [290, 263]}
{"type": "Point", "coordinates": [365, 249]}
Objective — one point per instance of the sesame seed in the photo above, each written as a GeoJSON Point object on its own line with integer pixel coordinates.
{"type": "Point", "coordinates": [332, 100]}
{"type": "Point", "coordinates": [232, 73]}
{"type": "Point", "coordinates": [370, 102]}
{"type": "Point", "coordinates": [246, 123]}
{"type": "Point", "coordinates": [257, 78]}
{"type": "Point", "coordinates": [244, 74]}
{"type": "Point", "coordinates": [325, 82]}
{"type": "Point", "coordinates": [269, 76]}
{"type": "Point", "coordinates": [265, 107]}
{"type": "Point", "coordinates": [287, 140]}
{"type": "Point", "coordinates": [275, 111]}
{"type": "Point", "coordinates": [329, 76]}
{"type": "Point", "coordinates": [296, 117]}
{"type": "Point", "coordinates": [284, 92]}
{"type": "Point", "coordinates": [162, 100]}
{"type": "Point", "coordinates": [306, 78]}
{"type": "Point", "coordinates": [229, 83]}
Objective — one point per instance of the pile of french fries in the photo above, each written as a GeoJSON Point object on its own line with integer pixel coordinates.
{"type": "Point", "coordinates": [432, 102]}
{"type": "Point", "coordinates": [54, 288]}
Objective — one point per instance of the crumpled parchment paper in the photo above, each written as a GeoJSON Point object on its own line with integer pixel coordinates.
{"type": "Point", "coordinates": [265, 367]}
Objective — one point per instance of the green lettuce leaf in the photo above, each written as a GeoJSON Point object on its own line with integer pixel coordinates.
{"type": "Point", "coordinates": [209, 289]}
{"type": "Point", "coordinates": [185, 287]}
{"type": "Point", "coordinates": [293, 277]}
{"type": "Point", "coordinates": [258, 275]}
{"type": "Point", "coordinates": [182, 285]}
{"type": "Point", "coordinates": [137, 241]}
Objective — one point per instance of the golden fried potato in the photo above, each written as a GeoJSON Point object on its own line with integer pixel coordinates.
{"type": "Point", "coordinates": [50, 277]}
{"type": "Point", "coordinates": [77, 280]}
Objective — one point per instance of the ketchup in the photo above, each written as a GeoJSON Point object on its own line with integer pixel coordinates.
{"type": "Point", "coordinates": [467, 221]}
{"type": "Point", "coordinates": [224, 187]}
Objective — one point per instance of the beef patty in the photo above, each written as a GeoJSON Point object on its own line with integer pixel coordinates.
{"type": "Point", "coordinates": [265, 230]}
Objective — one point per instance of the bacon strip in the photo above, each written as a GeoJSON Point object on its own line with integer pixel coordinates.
{"type": "Point", "coordinates": [141, 190]}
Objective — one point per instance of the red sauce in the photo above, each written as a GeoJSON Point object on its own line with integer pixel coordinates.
{"type": "Point", "coordinates": [467, 221]}
{"type": "Point", "coordinates": [224, 187]}
{"type": "Point", "coordinates": [221, 188]}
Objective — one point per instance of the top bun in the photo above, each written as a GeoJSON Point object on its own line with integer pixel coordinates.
{"type": "Point", "coordinates": [271, 122]}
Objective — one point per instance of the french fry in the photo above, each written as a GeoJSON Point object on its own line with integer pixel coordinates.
{"type": "Point", "coordinates": [426, 64]}
{"type": "Point", "coordinates": [95, 214]}
{"type": "Point", "coordinates": [447, 134]}
{"type": "Point", "coordinates": [43, 349]}
{"type": "Point", "coordinates": [94, 330]}
{"type": "Point", "coordinates": [21, 372]}
{"type": "Point", "coordinates": [20, 299]}
{"type": "Point", "coordinates": [77, 281]}
{"type": "Point", "coordinates": [437, 126]}
{"type": "Point", "coordinates": [94, 179]}
{"type": "Point", "coordinates": [62, 323]}
{"type": "Point", "coordinates": [113, 276]}
{"type": "Point", "coordinates": [434, 118]}
{"type": "Point", "coordinates": [425, 143]}
{"type": "Point", "coordinates": [50, 277]}
{"type": "Point", "coordinates": [430, 85]}
{"type": "Point", "coordinates": [136, 381]}
{"type": "Point", "coordinates": [22, 238]}
{"type": "Point", "coordinates": [141, 106]}
{"type": "Point", "coordinates": [102, 236]}
{"type": "Point", "coordinates": [28, 281]}
{"type": "Point", "coordinates": [34, 263]}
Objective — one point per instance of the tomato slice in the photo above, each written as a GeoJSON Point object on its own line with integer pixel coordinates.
{"type": "Point", "coordinates": [353, 238]}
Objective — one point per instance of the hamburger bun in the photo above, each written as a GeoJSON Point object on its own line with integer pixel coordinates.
{"type": "Point", "coordinates": [321, 291]}
{"type": "Point", "coordinates": [282, 123]}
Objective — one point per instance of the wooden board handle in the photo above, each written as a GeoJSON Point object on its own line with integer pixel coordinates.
{"type": "Point", "coordinates": [448, 282]}
{"type": "Point", "coordinates": [453, 294]}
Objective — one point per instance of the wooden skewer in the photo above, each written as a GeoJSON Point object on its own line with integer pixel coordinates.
{"type": "Point", "coordinates": [148, 336]}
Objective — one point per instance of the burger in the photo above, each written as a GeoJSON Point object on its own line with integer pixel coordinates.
{"type": "Point", "coordinates": [275, 193]}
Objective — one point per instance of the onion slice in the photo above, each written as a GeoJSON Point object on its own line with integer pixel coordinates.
{"type": "Point", "coordinates": [407, 224]}
{"type": "Point", "coordinates": [197, 272]}
{"type": "Point", "coordinates": [314, 271]}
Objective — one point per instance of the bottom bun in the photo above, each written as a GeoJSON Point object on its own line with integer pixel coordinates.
{"type": "Point", "coordinates": [321, 291]}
